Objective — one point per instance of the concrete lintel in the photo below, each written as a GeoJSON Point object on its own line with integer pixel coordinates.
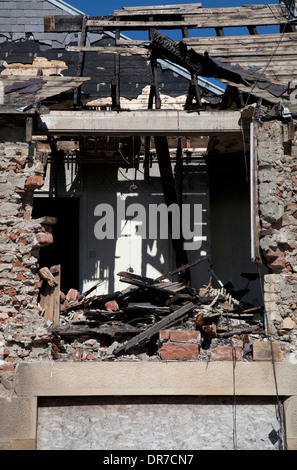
{"type": "Point", "coordinates": [154, 378]}
{"type": "Point", "coordinates": [138, 123]}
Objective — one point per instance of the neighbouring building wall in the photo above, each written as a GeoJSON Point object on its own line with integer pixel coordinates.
{"type": "Point", "coordinates": [277, 180]}
{"type": "Point", "coordinates": [19, 18]}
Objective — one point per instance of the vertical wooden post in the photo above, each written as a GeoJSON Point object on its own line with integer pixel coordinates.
{"type": "Point", "coordinates": [155, 85]}
{"type": "Point", "coordinates": [29, 128]}
{"type": "Point", "coordinates": [50, 296]}
{"type": "Point", "coordinates": [116, 80]}
{"type": "Point", "coordinates": [193, 87]}
{"type": "Point", "coordinates": [81, 58]}
{"type": "Point", "coordinates": [170, 197]}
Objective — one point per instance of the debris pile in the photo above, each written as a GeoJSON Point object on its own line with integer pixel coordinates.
{"type": "Point", "coordinates": [128, 324]}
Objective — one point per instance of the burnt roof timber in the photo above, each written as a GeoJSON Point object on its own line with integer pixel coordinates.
{"type": "Point", "coordinates": [183, 6]}
{"type": "Point", "coordinates": [23, 91]}
{"type": "Point", "coordinates": [250, 15]}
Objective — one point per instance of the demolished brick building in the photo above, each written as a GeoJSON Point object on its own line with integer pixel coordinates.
{"type": "Point", "coordinates": [135, 316]}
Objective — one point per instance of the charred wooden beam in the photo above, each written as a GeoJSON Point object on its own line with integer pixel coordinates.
{"type": "Point", "coordinates": [193, 87]}
{"type": "Point", "coordinates": [181, 268]}
{"type": "Point", "coordinates": [63, 23]}
{"type": "Point", "coordinates": [170, 197]}
{"type": "Point", "coordinates": [81, 59]}
{"type": "Point", "coordinates": [115, 83]}
{"type": "Point", "coordinates": [151, 331]}
{"type": "Point", "coordinates": [202, 64]}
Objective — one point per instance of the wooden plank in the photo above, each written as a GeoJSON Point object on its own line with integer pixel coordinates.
{"type": "Point", "coordinates": [205, 18]}
{"type": "Point", "coordinates": [80, 64]}
{"type": "Point", "coordinates": [50, 296]}
{"type": "Point", "coordinates": [29, 128]}
{"type": "Point", "coordinates": [242, 39]}
{"type": "Point", "coordinates": [231, 45]}
{"type": "Point", "coordinates": [56, 271]}
{"type": "Point", "coordinates": [181, 268]}
{"type": "Point", "coordinates": [191, 22]}
{"type": "Point", "coordinates": [142, 8]}
{"type": "Point", "coordinates": [170, 197]}
{"type": "Point", "coordinates": [126, 51]}
{"type": "Point", "coordinates": [63, 23]}
{"type": "Point", "coordinates": [158, 288]}
{"type": "Point", "coordinates": [115, 84]}
{"type": "Point", "coordinates": [151, 331]}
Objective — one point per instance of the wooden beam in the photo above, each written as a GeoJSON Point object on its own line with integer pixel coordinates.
{"type": "Point", "coordinates": [250, 15]}
{"type": "Point", "coordinates": [151, 331]}
{"type": "Point", "coordinates": [81, 58]}
{"type": "Point", "coordinates": [115, 83]}
{"type": "Point", "coordinates": [170, 197]}
{"type": "Point", "coordinates": [141, 123]}
{"type": "Point", "coordinates": [63, 23]}
{"type": "Point", "coordinates": [127, 51]}
{"type": "Point", "coordinates": [29, 128]}
{"type": "Point", "coordinates": [182, 7]}
{"type": "Point", "coordinates": [50, 296]}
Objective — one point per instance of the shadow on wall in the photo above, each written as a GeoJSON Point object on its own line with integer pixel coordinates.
{"type": "Point", "coordinates": [230, 224]}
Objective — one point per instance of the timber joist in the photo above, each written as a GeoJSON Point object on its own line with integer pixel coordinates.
{"type": "Point", "coordinates": [264, 64]}
{"type": "Point", "coordinates": [191, 17]}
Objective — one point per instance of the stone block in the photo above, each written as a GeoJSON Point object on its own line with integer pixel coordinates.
{"type": "Point", "coordinates": [18, 418]}
{"type": "Point", "coordinates": [5, 445]}
{"type": "Point", "coordinates": [264, 351]}
{"type": "Point", "coordinates": [290, 409]}
{"type": "Point", "coordinates": [24, 444]}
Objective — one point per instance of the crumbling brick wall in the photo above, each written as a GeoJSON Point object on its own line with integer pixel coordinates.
{"type": "Point", "coordinates": [23, 331]}
{"type": "Point", "coordinates": [21, 325]}
{"type": "Point", "coordinates": [277, 192]}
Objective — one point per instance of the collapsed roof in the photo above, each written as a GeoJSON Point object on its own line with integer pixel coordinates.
{"type": "Point", "coordinates": [259, 65]}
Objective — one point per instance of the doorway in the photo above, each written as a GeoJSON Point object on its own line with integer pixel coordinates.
{"type": "Point", "coordinates": [65, 248]}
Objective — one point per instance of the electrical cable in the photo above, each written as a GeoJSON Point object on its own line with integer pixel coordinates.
{"type": "Point", "coordinates": [234, 409]}
{"type": "Point", "coordinates": [279, 405]}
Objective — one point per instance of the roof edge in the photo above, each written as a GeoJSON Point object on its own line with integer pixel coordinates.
{"type": "Point", "coordinates": [66, 7]}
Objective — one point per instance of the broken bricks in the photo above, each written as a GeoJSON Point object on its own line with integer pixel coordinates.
{"type": "Point", "coordinates": [156, 319]}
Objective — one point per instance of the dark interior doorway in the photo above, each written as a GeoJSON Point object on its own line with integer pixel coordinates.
{"type": "Point", "coordinates": [230, 225]}
{"type": "Point", "coordinates": [65, 248]}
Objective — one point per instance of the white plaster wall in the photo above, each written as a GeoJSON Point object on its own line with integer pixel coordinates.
{"type": "Point", "coordinates": [103, 259]}
{"type": "Point", "coordinates": [156, 424]}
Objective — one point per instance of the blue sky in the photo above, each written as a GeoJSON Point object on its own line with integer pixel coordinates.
{"type": "Point", "coordinates": [102, 8]}
{"type": "Point", "coordinates": [97, 7]}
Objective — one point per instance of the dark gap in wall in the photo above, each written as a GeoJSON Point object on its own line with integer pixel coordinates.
{"type": "Point", "coordinates": [65, 248]}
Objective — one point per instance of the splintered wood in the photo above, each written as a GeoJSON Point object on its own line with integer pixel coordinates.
{"type": "Point", "coordinates": [50, 293]}
{"type": "Point", "coordinates": [131, 319]}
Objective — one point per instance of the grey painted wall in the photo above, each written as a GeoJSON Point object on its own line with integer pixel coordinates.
{"type": "Point", "coordinates": [20, 17]}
